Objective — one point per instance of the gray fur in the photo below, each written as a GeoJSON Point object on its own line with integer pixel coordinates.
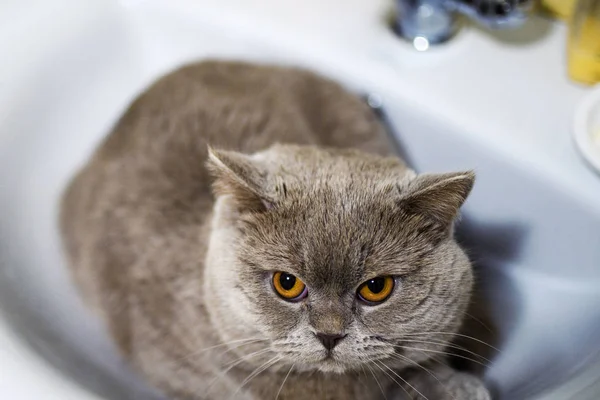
{"type": "Point", "coordinates": [182, 277]}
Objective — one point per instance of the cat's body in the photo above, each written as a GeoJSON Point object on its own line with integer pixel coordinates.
{"type": "Point", "coordinates": [177, 275]}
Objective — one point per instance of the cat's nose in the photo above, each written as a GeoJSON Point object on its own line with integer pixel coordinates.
{"type": "Point", "coordinates": [328, 340]}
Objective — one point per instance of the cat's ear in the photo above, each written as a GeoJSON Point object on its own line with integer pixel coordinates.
{"type": "Point", "coordinates": [437, 196]}
{"type": "Point", "coordinates": [241, 177]}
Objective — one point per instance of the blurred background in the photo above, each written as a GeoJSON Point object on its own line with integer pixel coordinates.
{"type": "Point", "coordinates": [506, 87]}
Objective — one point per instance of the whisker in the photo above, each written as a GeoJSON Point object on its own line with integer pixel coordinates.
{"type": "Point", "coordinates": [377, 380]}
{"type": "Point", "coordinates": [479, 321]}
{"type": "Point", "coordinates": [283, 383]}
{"type": "Point", "coordinates": [454, 334]}
{"type": "Point", "coordinates": [364, 371]}
{"type": "Point", "coordinates": [232, 348]}
{"type": "Point", "coordinates": [404, 380]}
{"type": "Point", "coordinates": [441, 352]}
{"type": "Point", "coordinates": [240, 359]}
{"type": "Point", "coordinates": [392, 378]}
{"type": "Point", "coordinates": [241, 341]}
{"type": "Point", "coordinates": [437, 360]}
{"type": "Point", "coordinates": [231, 365]}
{"type": "Point", "coordinates": [403, 357]}
{"type": "Point", "coordinates": [256, 372]}
{"type": "Point", "coordinates": [449, 345]}
{"type": "Point", "coordinates": [360, 378]}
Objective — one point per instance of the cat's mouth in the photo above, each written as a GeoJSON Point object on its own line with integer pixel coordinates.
{"type": "Point", "coordinates": [330, 364]}
{"type": "Point", "coordinates": [335, 362]}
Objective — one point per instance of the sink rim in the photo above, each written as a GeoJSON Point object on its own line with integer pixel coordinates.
{"type": "Point", "coordinates": [349, 77]}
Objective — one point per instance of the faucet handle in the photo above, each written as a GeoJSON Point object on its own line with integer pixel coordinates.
{"type": "Point", "coordinates": [428, 22]}
{"type": "Point", "coordinates": [494, 14]}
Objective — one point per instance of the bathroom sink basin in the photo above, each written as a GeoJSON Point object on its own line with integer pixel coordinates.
{"type": "Point", "coordinates": [496, 103]}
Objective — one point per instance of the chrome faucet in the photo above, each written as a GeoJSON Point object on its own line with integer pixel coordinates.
{"type": "Point", "coordinates": [427, 22]}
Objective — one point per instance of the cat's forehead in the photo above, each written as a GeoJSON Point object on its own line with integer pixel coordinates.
{"type": "Point", "coordinates": [337, 242]}
{"type": "Point", "coordinates": [304, 165]}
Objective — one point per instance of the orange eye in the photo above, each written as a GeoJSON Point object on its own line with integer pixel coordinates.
{"type": "Point", "coordinates": [376, 290]}
{"type": "Point", "coordinates": [289, 287]}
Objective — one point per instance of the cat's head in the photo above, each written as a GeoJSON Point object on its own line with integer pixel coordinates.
{"type": "Point", "coordinates": [334, 258]}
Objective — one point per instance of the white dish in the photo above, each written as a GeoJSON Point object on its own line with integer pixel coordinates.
{"type": "Point", "coordinates": [586, 128]}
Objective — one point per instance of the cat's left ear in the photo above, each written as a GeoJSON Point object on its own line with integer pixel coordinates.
{"type": "Point", "coordinates": [437, 196]}
{"type": "Point", "coordinates": [241, 177]}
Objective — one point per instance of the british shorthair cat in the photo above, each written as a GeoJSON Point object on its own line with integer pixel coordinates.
{"type": "Point", "coordinates": [246, 232]}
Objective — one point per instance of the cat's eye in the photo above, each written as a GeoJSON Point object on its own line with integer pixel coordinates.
{"type": "Point", "coordinates": [376, 290]}
{"type": "Point", "coordinates": [289, 287]}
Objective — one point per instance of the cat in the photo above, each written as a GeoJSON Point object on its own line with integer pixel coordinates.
{"type": "Point", "coordinates": [247, 232]}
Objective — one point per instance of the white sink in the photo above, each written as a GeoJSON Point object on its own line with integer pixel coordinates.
{"type": "Point", "coordinates": [498, 103]}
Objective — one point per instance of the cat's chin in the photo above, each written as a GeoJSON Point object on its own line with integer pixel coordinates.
{"type": "Point", "coordinates": [332, 366]}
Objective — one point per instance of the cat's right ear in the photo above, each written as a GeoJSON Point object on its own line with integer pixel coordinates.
{"type": "Point", "coordinates": [240, 177]}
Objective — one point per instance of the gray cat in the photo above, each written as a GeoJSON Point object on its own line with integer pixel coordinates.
{"type": "Point", "coordinates": [321, 268]}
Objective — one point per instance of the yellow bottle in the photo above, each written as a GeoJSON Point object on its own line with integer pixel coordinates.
{"type": "Point", "coordinates": [584, 42]}
{"type": "Point", "coordinates": [558, 8]}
